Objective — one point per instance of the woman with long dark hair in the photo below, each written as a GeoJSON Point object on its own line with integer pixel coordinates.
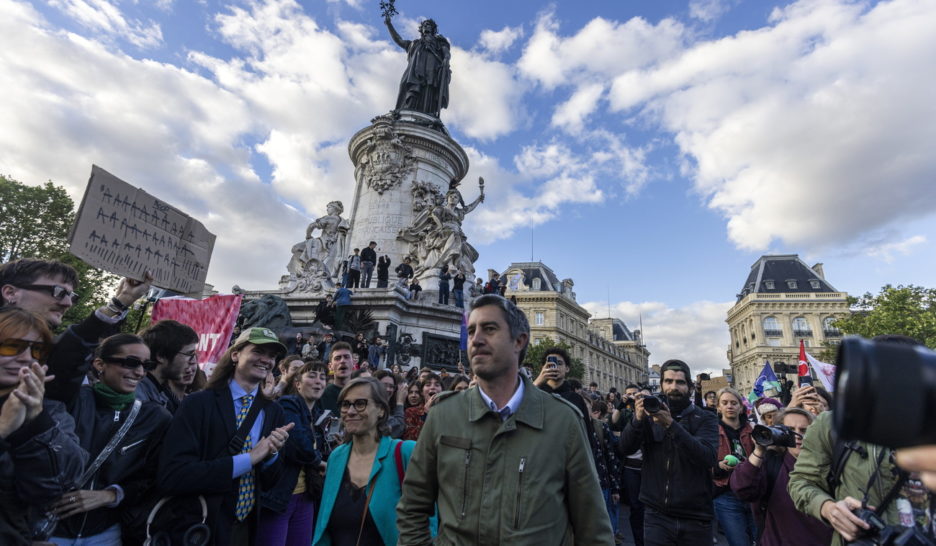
{"type": "Point", "coordinates": [396, 397]}
{"type": "Point", "coordinates": [108, 508]}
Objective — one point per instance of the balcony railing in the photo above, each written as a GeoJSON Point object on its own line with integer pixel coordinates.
{"type": "Point", "coordinates": [802, 333]}
{"type": "Point", "coordinates": [773, 333]}
{"type": "Point", "coordinates": [832, 333]}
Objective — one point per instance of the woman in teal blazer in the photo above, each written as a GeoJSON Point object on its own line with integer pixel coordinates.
{"type": "Point", "coordinates": [363, 481]}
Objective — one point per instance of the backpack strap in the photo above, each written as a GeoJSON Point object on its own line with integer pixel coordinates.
{"type": "Point", "coordinates": [398, 456]}
{"type": "Point", "coordinates": [236, 443]}
{"type": "Point", "coordinates": [841, 450]}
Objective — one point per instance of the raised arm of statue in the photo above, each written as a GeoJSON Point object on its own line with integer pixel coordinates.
{"type": "Point", "coordinates": [395, 35]}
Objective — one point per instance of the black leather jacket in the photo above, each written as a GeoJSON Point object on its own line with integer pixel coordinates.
{"type": "Point", "coordinates": [676, 478]}
{"type": "Point", "coordinates": [39, 463]}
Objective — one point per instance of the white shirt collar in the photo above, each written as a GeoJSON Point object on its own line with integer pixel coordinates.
{"type": "Point", "coordinates": [513, 403]}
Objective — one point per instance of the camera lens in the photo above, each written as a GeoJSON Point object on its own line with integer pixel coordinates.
{"type": "Point", "coordinates": [885, 393]}
{"type": "Point", "coordinates": [778, 435]}
{"type": "Point", "coordinates": [651, 404]}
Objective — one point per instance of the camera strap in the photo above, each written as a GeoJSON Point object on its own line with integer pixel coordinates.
{"type": "Point", "coordinates": [894, 491]}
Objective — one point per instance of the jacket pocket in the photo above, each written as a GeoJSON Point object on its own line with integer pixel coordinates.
{"type": "Point", "coordinates": [458, 450]}
{"type": "Point", "coordinates": [129, 447]}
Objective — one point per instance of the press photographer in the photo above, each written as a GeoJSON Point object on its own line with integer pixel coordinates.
{"type": "Point", "coordinates": [848, 476]}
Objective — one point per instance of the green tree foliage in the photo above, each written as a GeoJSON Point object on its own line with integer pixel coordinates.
{"type": "Point", "coordinates": [34, 223]}
{"type": "Point", "coordinates": [906, 310]}
{"type": "Point", "coordinates": [536, 356]}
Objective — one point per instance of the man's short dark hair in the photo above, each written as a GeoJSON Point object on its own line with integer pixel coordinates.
{"type": "Point", "coordinates": [26, 270]}
{"type": "Point", "coordinates": [593, 384]}
{"type": "Point", "coordinates": [372, 243]}
{"type": "Point", "coordinates": [559, 351]}
{"type": "Point", "coordinates": [677, 366]}
{"type": "Point", "coordinates": [631, 386]}
{"type": "Point", "coordinates": [341, 345]}
{"type": "Point", "coordinates": [516, 320]}
{"type": "Point", "coordinates": [575, 384]}
{"type": "Point", "coordinates": [167, 337]}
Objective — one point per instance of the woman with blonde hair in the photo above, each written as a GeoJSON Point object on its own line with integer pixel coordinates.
{"type": "Point", "coordinates": [734, 445]}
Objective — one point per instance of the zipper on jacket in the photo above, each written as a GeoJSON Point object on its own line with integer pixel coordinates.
{"type": "Point", "coordinates": [116, 416]}
{"type": "Point", "coordinates": [519, 490]}
{"type": "Point", "coordinates": [669, 459]}
{"type": "Point", "coordinates": [465, 489]}
{"type": "Point", "coordinates": [130, 446]}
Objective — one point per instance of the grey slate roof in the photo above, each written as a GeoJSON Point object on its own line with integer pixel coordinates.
{"type": "Point", "coordinates": [537, 270]}
{"type": "Point", "coordinates": [780, 271]}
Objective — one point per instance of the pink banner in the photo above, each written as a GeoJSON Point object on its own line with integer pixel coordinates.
{"type": "Point", "coordinates": [213, 318]}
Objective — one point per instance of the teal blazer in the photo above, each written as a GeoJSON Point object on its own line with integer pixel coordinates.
{"type": "Point", "coordinates": [387, 490]}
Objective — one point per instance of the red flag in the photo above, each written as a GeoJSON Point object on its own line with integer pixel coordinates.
{"type": "Point", "coordinates": [213, 318]}
{"type": "Point", "coordinates": [803, 369]}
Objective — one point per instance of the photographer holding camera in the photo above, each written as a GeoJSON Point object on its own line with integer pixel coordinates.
{"type": "Point", "coordinates": [762, 480]}
{"type": "Point", "coordinates": [850, 483]}
{"type": "Point", "coordinates": [679, 442]}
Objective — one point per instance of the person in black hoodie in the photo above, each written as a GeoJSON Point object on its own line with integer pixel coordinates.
{"type": "Point", "coordinates": [383, 271]}
{"type": "Point", "coordinates": [679, 445]}
{"type": "Point", "coordinates": [112, 504]}
{"type": "Point", "coordinates": [368, 260]}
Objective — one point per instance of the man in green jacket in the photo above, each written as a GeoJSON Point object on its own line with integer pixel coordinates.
{"type": "Point", "coordinates": [810, 491]}
{"type": "Point", "coordinates": [504, 462]}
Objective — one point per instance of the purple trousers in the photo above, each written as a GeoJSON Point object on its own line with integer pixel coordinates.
{"type": "Point", "coordinates": [294, 527]}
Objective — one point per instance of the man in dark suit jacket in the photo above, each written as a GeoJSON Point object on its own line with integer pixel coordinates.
{"type": "Point", "coordinates": [196, 459]}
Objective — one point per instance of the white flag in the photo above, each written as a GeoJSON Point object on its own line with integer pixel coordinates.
{"type": "Point", "coordinates": [824, 372]}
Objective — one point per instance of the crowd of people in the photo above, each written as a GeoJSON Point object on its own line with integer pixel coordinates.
{"type": "Point", "coordinates": [116, 438]}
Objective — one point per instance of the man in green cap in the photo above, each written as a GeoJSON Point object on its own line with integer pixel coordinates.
{"type": "Point", "coordinates": [224, 442]}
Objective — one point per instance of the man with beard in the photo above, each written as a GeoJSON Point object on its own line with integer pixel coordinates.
{"type": "Point", "coordinates": [679, 443]}
{"type": "Point", "coordinates": [503, 462]}
{"type": "Point", "coordinates": [173, 346]}
{"type": "Point", "coordinates": [340, 368]}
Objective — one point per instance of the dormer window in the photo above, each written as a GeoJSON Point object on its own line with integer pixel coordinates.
{"type": "Point", "coordinates": [769, 284]}
{"type": "Point", "coordinates": [791, 284]}
{"type": "Point", "coordinates": [814, 283]}
{"type": "Point", "coordinates": [537, 283]}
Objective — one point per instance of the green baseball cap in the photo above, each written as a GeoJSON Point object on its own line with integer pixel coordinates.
{"type": "Point", "coordinates": [261, 336]}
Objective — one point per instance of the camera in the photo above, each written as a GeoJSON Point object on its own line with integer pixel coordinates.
{"type": "Point", "coordinates": [777, 435]}
{"type": "Point", "coordinates": [653, 403]}
{"type": "Point", "coordinates": [881, 534]}
{"type": "Point", "coordinates": [880, 384]}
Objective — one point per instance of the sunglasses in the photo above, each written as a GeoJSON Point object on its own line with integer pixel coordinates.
{"type": "Point", "coordinates": [359, 405]}
{"type": "Point", "coordinates": [132, 363]}
{"type": "Point", "coordinates": [56, 291]}
{"type": "Point", "coordinates": [39, 350]}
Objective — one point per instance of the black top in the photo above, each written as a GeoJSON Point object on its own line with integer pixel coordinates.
{"type": "Point", "coordinates": [345, 522]}
{"type": "Point", "coordinates": [368, 255]}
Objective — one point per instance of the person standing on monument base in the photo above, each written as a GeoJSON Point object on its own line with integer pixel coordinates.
{"type": "Point", "coordinates": [368, 260]}
{"type": "Point", "coordinates": [354, 269]}
{"type": "Point", "coordinates": [444, 278]}
{"type": "Point", "coordinates": [503, 463]}
{"type": "Point", "coordinates": [383, 271]}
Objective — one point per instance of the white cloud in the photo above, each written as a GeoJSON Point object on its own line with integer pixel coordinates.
{"type": "Point", "coordinates": [572, 114]}
{"type": "Point", "coordinates": [695, 333]}
{"type": "Point", "coordinates": [106, 18]}
{"type": "Point", "coordinates": [886, 251]}
{"type": "Point", "coordinates": [808, 130]}
{"type": "Point", "coordinates": [498, 41]}
{"type": "Point", "coordinates": [709, 10]}
{"type": "Point", "coordinates": [485, 96]}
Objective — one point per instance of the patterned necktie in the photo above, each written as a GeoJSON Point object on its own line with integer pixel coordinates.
{"type": "Point", "coordinates": [504, 413]}
{"type": "Point", "coordinates": [245, 489]}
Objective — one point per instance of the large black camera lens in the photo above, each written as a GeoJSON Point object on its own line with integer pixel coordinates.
{"type": "Point", "coordinates": [651, 404]}
{"type": "Point", "coordinates": [778, 435]}
{"type": "Point", "coordinates": [885, 393]}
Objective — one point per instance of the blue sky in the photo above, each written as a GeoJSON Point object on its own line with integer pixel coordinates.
{"type": "Point", "coordinates": [657, 149]}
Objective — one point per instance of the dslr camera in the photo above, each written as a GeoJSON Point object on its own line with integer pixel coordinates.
{"type": "Point", "coordinates": [653, 403]}
{"type": "Point", "coordinates": [777, 435]}
{"type": "Point", "coordinates": [881, 534]}
{"type": "Point", "coordinates": [880, 384]}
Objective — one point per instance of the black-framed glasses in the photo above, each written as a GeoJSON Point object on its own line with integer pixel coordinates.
{"type": "Point", "coordinates": [189, 355]}
{"type": "Point", "coordinates": [57, 291]}
{"type": "Point", "coordinates": [132, 362]}
{"type": "Point", "coordinates": [39, 350]}
{"type": "Point", "coordinates": [359, 405]}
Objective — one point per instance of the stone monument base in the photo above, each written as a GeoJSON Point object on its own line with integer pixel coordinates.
{"type": "Point", "coordinates": [418, 333]}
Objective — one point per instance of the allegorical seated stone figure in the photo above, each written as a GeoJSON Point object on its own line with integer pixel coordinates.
{"type": "Point", "coordinates": [424, 86]}
{"type": "Point", "coordinates": [320, 257]}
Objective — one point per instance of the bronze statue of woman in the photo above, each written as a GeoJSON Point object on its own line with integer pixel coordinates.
{"type": "Point", "coordinates": [425, 83]}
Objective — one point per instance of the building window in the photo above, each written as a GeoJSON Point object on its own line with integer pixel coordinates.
{"type": "Point", "coordinates": [801, 327]}
{"type": "Point", "coordinates": [829, 329]}
{"type": "Point", "coordinates": [791, 284]}
{"type": "Point", "coordinates": [814, 283]}
{"type": "Point", "coordinates": [772, 327]}
{"type": "Point", "coordinates": [537, 283]}
{"type": "Point", "coordinates": [539, 318]}
{"type": "Point", "coordinates": [769, 285]}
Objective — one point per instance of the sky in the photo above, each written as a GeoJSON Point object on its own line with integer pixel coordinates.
{"type": "Point", "coordinates": [650, 151]}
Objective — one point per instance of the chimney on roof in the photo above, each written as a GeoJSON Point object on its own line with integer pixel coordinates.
{"type": "Point", "coordinates": [818, 269]}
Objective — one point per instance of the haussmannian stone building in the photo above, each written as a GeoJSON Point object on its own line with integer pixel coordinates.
{"type": "Point", "coordinates": [782, 302]}
{"type": "Point", "coordinates": [613, 354]}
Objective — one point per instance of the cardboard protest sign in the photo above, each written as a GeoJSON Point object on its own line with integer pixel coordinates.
{"type": "Point", "coordinates": [124, 230]}
{"type": "Point", "coordinates": [213, 318]}
{"type": "Point", "coordinates": [714, 384]}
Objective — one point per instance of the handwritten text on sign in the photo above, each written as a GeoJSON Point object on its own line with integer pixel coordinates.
{"type": "Point", "coordinates": [124, 230]}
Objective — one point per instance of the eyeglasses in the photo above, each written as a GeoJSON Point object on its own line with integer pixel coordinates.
{"type": "Point", "coordinates": [359, 405]}
{"type": "Point", "coordinates": [132, 363]}
{"type": "Point", "coordinates": [39, 350]}
{"type": "Point", "coordinates": [191, 355]}
{"type": "Point", "coordinates": [57, 292]}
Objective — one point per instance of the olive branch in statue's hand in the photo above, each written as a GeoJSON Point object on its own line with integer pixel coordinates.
{"type": "Point", "coordinates": [387, 9]}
